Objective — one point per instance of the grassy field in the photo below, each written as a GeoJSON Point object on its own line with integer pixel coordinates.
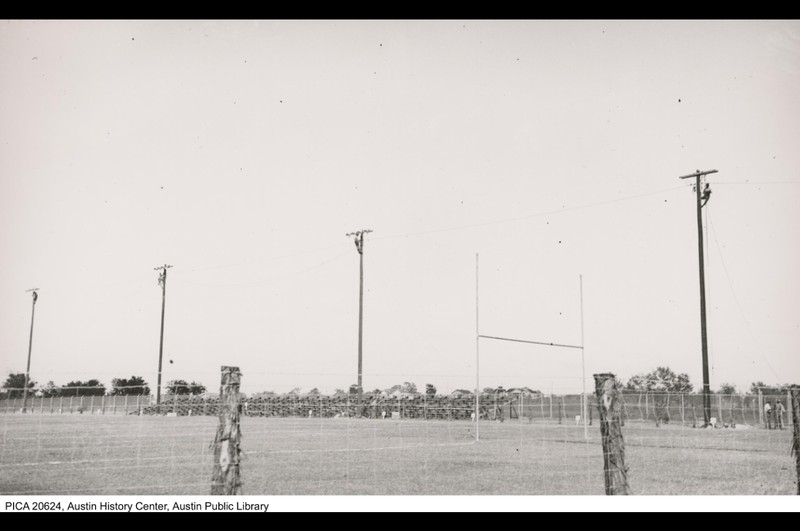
{"type": "Point", "coordinates": [42, 454]}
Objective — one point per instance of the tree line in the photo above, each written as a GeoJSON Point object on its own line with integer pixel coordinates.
{"type": "Point", "coordinates": [660, 380]}
{"type": "Point", "coordinates": [14, 387]}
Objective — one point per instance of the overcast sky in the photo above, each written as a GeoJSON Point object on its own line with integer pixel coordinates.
{"type": "Point", "coordinates": [242, 152]}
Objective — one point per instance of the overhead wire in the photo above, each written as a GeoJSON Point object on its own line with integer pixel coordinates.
{"type": "Point", "coordinates": [527, 216]}
{"type": "Point", "coordinates": [736, 299]}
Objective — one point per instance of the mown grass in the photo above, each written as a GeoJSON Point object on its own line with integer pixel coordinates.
{"type": "Point", "coordinates": [132, 455]}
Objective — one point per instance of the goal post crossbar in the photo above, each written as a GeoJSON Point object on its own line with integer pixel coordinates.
{"type": "Point", "coordinates": [532, 342]}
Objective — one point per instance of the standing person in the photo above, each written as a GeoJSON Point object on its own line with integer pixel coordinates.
{"type": "Point", "coordinates": [499, 403]}
{"type": "Point", "coordinates": [779, 409]}
{"type": "Point", "coordinates": [768, 414]}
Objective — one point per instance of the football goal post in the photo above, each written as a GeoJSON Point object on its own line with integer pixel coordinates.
{"type": "Point", "coordinates": [479, 336]}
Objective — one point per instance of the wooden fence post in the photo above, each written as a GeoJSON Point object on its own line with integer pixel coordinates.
{"type": "Point", "coordinates": [609, 407]}
{"type": "Point", "coordinates": [225, 478]}
{"type": "Point", "coordinates": [795, 406]}
{"type": "Point", "coordinates": [559, 407]}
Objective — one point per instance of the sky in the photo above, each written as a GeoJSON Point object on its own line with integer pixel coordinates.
{"type": "Point", "coordinates": [520, 177]}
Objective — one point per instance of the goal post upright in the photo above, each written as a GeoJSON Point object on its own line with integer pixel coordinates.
{"type": "Point", "coordinates": [584, 398]}
{"type": "Point", "coordinates": [477, 358]}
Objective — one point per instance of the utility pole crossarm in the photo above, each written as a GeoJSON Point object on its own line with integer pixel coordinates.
{"type": "Point", "coordinates": [698, 173]}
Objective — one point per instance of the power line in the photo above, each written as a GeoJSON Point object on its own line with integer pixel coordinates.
{"type": "Point", "coordinates": [736, 299]}
{"type": "Point", "coordinates": [267, 280]}
{"type": "Point", "coordinates": [528, 216]}
{"type": "Point", "coordinates": [757, 182]}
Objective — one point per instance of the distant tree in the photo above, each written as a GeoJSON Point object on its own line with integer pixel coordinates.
{"type": "Point", "coordinates": [135, 385]}
{"type": "Point", "coordinates": [180, 387]}
{"type": "Point", "coordinates": [727, 389]}
{"type": "Point", "coordinates": [765, 389]}
{"type": "Point", "coordinates": [295, 391]}
{"type": "Point", "coordinates": [50, 390]}
{"type": "Point", "coordinates": [339, 392]}
{"type": "Point", "coordinates": [15, 384]}
{"type": "Point", "coordinates": [314, 391]}
{"type": "Point", "coordinates": [430, 390]}
{"type": "Point", "coordinates": [88, 388]}
{"type": "Point", "coordinates": [264, 394]}
{"type": "Point", "coordinates": [662, 379]}
{"type": "Point", "coordinates": [408, 387]}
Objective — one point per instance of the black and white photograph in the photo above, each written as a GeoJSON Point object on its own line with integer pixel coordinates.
{"type": "Point", "coordinates": [254, 265]}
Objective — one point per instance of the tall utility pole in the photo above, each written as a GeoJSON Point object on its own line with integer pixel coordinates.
{"type": "Point", "coordinates": [162, 281]}
{"type": "Point", "coordinates": [702, 198]}
{"type": "Point", "coordinates": [30, 345]}
{"type": "Point", "coordinates": [359, 240]}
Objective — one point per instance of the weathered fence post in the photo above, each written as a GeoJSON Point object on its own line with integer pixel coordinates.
{"type": "Point", "coordinates": [682, 419]}
{"type": "Point", "coordinates": [639, 406]}
{"type": "Point", "coordinates": [559, 407]}
{"type": "Point", "coordinates": [225, 478]}
{"type": "Point", "coordinates": [609, 407]}
{"type": "Point", "coordinates": [795, 407]}
{"type": "Point", "coordinates": [732, 423]}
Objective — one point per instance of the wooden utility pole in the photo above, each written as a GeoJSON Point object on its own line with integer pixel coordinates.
{"type": "Point", "coordinates": [30, 345]}
{"type": "Point", "coordinates": [616, 473]}
{"type": "Point", "coordinates": [162, 281]}
{"type": "Point", "coordinates": [225, 478]}
{"type": "Point", "coordinates": [359, 241]}
{"type": "Point", "coordinates": [702, 198]}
